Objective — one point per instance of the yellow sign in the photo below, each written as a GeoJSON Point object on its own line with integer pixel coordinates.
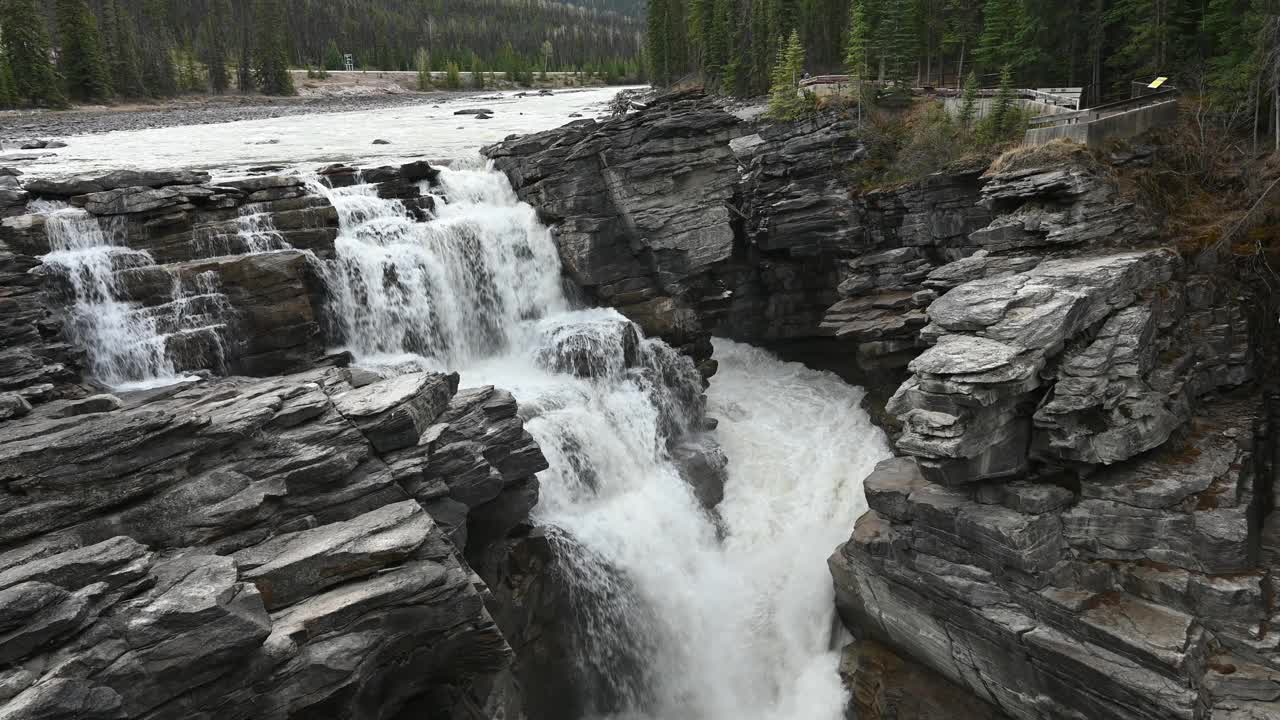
{"type": "Point", "coordinates": [1157, 82]}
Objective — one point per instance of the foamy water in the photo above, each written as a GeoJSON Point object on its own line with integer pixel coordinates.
{"type": "Point", "coordinates": [429, 130]}
{"type": "Point", "coordinates": [677, 617]}
{"type": "Point", "coordinates": [683, 614]}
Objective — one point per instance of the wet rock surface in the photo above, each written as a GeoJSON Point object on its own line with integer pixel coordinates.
{"type": "Point", "coordinates": [243, 547]}
{"type": "Point", "coordinates": [1080, 521]}
{"type": "Point", "coordinates": [230, 275]}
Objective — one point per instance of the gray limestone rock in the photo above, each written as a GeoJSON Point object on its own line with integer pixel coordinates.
{"type": "Point", "coordinates": [294, 566]}
{"type": "Point", "coordinates": [394, 413]}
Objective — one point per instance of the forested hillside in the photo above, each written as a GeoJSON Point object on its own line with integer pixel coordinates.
{"type": "Point", "coordinates": [1226, 46]}
{"type": "Point", "coordinates": [94, 50]}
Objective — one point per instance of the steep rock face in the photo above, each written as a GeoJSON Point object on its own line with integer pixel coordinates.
{"type": "Point", "coordinates": [1081, 490]}
{"type": "Point", "coordinates": [610, 188]}
{"type": "Point", "coordinates": [251, 548]}
{"type": "Point", "coordinates": [282, 547]}
{"type": "Point", "coordinates": [1080, 525]}
{"type": "Point", "coordinates": [786, 253]}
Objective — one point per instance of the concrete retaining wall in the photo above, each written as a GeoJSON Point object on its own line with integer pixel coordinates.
{"type": "Point", "coordinates": [1095, 133]}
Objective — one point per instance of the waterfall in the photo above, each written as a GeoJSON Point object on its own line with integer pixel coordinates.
{"type": "Point", "coordinates": [123, 341]}
{"type": "Point", "coordinates": [449, 291]}
{"type": "Point", "coordinates": [683, 617]}
{"type": "Point", "coordinates": [140, 342]}
{"type": "Point", "coordinates": [257, 231]}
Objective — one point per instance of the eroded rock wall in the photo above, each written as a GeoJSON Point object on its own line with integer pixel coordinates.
{"type": "Point", "coordinates": [283, 546]}
{"type": "Point", "coordinates": [1080, 522]}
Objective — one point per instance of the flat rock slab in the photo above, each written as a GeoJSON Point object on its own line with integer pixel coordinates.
{"type": "Point", "coordinates": [292, 566]}
{"type": "Point", "coordinates": [394, 413]}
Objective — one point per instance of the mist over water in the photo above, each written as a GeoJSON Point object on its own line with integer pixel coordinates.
{"type": "Point", "coordinates": [680, 615]}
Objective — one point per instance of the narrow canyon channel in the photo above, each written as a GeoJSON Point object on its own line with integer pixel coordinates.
{"type": "Point", "coordinates": [682, 606]}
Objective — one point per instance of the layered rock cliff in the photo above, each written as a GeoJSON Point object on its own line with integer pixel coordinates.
{"type": "Point", "coordinates": [1080, 521]}
{"type": "Point", "coordinates": [280, 546]}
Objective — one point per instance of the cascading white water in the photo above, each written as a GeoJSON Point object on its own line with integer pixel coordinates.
{"type": "Point", "coordinates": [451, 290]}
{"type": "Point", "coordinates": [124, 344]}
{"type": "Point", "coordinates": [705, 622]}
{"type": "Point", "coordinates": [257, 231]}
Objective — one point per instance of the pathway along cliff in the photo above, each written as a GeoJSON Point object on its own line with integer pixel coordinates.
{"type": "Point", "coordinates": [678, 535]}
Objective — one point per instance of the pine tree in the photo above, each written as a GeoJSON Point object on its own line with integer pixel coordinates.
{"type": "Point", "coordinates": [659, 42]}
{"type": "Point", "coordinates": [960, 30]}
{"type": "Point", "coordinates": [271, 54]}
{"type": "Point", "coordinates": [215, 44]}
{"type": "Point", "coordinates": [786, 102]}
{"type": "Point", "coordinates": [158, 71]}
{"type": "Point", "coordinates": [8, 88]}
{"type": "Point", "coordinates": [121, 40]}
{"type": "Point", "coordinates": [477, 72]}
{"type": "Point", "coordinates": [970, 106]}
{"type": "Point", "coordinates": [760, 49]}
{"type": "Point", "coordinates": [81, 60]}
{"type": "Point", "coordinates": [999, 123]}
{"type": "Point", "coordinates": [1004, 39]}
{"type": "Point", "coordinates": [899, 33]}
{"type": "Point", "coordinates": [716, 34]}
{"type": "Point", "coordinates": [857, 49]}
{"type": "Point", "coordinates": [1150, 29]}
{"type": "Point", "coordinates": [26, 46]}
{"type": "Point", "coordinates": [333, 59]}
{"type": "Point", "coordinates": [452, 76]}
{"type": "Point", "coordinates": [422, 61]}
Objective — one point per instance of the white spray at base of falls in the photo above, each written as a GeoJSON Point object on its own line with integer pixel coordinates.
{"type": "Point", "coordinates": [709, 623]}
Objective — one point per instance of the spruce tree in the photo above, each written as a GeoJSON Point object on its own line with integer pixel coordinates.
{"type": "Point", "coordinates": [999, 124]}
{"type": "Point", "coordinates": [970, 106]}
{"type": "Point", "coordinates": [1004, 39]}
{"type": "Point", "coordinates": [121, 40]}
{"type": "Point", "coordinates": [158, 71]}
{"type": "Point", "coordinates": [26, 46]}
{"type": "Point", "coordinates": [333, 59]}
{"type": "Point", "coordinates": [81, 60]}
{"type": "Point", "coordinates": [899, 37]}
{"type": "Point", "coordinates": [215, 44]}
{"type": "Point", "coordinates": [786, 102]}
{"type": "Point", "coordinates": [477, 72]}
{"type": "Point", "coordinates": [271, 54]}
{"type": "Point", "coordinates": [422, 60]}
{"type": "Point", "coordinates": [659, 41]}
{"type": "Point", "coordinates": [452, 76]}
{"type": "Point", "coordinates": [857, 49]}
{"type": "Point", "coordinates": [8, 88]}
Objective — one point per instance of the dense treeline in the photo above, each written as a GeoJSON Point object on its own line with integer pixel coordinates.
{"type": "Point", "coordinates": [55, 51]}
{"type": "Point", "coordinates": [1224, 47]}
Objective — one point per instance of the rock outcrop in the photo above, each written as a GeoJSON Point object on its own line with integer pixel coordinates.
{"type": "Point", "coordinates": [221, 277]}
{"type": "Point", "coordinates": [1081, 521]}
{"type": "Point", "coordinates": [256, 548]}
{"type": "Point", "coordinates": [278, 546]}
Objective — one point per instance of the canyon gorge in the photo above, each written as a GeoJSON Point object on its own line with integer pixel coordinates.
{"type": "Point", "coordinates": [658, 415]}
